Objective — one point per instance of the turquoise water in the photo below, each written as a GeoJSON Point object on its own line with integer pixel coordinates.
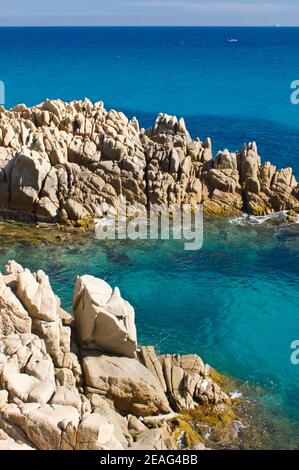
{"type": "Point", "coordinates": [235, 302]}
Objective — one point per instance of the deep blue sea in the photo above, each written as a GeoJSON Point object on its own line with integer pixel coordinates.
{"type": "Point", "coordinates": [236, 301]}
{"type": "Point", "coordinates": [231, 91]}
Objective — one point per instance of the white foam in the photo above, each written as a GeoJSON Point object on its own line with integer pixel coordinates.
{"type": "Point", "coordinates": [235, 394]}
{"type": "Point", "coordinates": [246, 219]}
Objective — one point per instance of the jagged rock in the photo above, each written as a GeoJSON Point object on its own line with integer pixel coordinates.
{"type": "Point", "coordinates": [3, 398]}
{"type": "Point", "coordinates": [186, 379]}
{"type": "Point", "coordinates": [104, 320]}
{"type": "Point", "coordinates": [189, 383]}
{"type": "Point", "coordinates": [18, 385]}
{"type": "Point", "coordinates": [41, 392]}
{"type": "Point", "coordinates": [150, 360]}
{"type": "Point", "coordinates": [96, 433]}
{"type": "Point", "coordinates": [62, 161]}
{"type": "Point", "coordinates": [67, 396]}
{"type": "Point", "coordinates": [249, 162]}
{"type": "Point", "coordinates": [8, 443]}
{"type": "Point", "coordinates": [226, 161]}
{"type": "Point", "coordinates": [124, 381]}
{"type": "Point", "coordinates": [28, 172]}
{"type": "Point", "coordinates": [49, 331]}
{"type": "Point", "coordinates": [36, 294]}
{"type": "Point", "coordinates": [46, 210]}
{"type": "Point", "coordinates": [65, 377]}
{"type": "Point", "coordinates": [75, 210]}
{"type": "Point", "coordinates": [13, 317]}
{"type": "Point", "coordinates": [42, 424]}
{"type": "Point", "coordinates": [136, 425]}
{"type": "Point", "coordinates": [13, 268]}
{"type": "Point", "coordinates": [226, 180]}
{"type": "Point", "coordinates": [121, 432]}
{"type": "Point", "coordinates": [154, 439]}
{"type": "Point", "coordinates": [223, 203]}
{"type": "Point", "coordinates": [40, 367]}
{"type": "Point", "coordinates": [47, 401]}
{"type": "Point", "coordinates": [252, 185]}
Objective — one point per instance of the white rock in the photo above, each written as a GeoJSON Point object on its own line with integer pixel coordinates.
{"type": "Point", "coordinates": [36, 294]}
{"type": "Point", "coordinates": [104, 320]}
{"type": "Point", "coordinates": [41, 392]}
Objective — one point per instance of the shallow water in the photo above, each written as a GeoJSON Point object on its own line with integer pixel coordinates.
{"type": "Point", "coordinates": [235, 302]}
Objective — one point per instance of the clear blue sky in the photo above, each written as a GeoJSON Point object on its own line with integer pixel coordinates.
{"type": "Point", "coordinates": [149, 12]}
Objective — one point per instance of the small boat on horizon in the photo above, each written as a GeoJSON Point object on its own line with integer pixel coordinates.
{"type": "Point", "coordinates": [232, 40]}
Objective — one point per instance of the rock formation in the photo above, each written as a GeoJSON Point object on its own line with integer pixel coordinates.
{"type": "Point", "coordinates": [104, 320]}
{"type": "Point", "coordinates": [82, 382]}
{"type": "Point", "coordinates": [67, 161]}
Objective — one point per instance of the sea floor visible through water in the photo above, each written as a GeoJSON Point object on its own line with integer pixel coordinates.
{"type": "Point", "coordinates": [235, 302]}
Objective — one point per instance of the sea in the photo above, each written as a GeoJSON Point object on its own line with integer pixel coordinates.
{"type": "Point", "coordinates": [235, 302]}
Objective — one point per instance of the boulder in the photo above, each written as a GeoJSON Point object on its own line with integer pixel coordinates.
{"type": "Point", "coordinates": [96, 433]}
{"type": "Point", "coordinates": [189, 382]}
{"type": "Point", "coordinates": [18, 385]}
{"type": "Point", "coordinates": [121, 432]}
{"type": "Point", "coordinates": [45, 425]}
{"type": "Point", "coordinates": [28, 173]}
{"type": "Point", "coordinates": [61, 161]}
{"type": "Point", "coordinates": [104, 319]}
{"type": "Point", "coordinates": [148, 357]}
{"type": "Point", "coordinates": [41, 367]}
{"type": "Point", "coordinates": [35, 293]}
{"type": "Point", "coordinates": [41, 392]}
{"type": "Point", "coordinates": [126, 382]}
{"type": "Point", "coordinates": [13, 317]}
{"type": "Point", "coordinates": [13, 268]}
{"type": "Point", "coordinates": [67, 396]}
{"type": "Point", "coordinates": [155, 439]}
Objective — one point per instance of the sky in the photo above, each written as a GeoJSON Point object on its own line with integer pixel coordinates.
{"type": "Point", "coordinates": [149, 12]}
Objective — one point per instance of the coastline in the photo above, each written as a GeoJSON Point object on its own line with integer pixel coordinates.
{"type": "Point", "coordinates": [251, 434]}
{"type": "Point", "coordinates": [110, 395]}
{"type": "Point", "coordinates": [198, 348]}
{"type": "Point", "coordinates": [62, 163]}
{"type": "Point", "coordinates": [66, 162]}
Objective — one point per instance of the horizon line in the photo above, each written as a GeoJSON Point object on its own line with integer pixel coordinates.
{"type": "Point", "coordinates": [149, 26]}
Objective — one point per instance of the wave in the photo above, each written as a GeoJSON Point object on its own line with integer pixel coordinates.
{"type": "Point", "coordinates": [247, 219]}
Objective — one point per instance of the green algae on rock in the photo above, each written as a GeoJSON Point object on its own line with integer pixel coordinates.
{"type": "Point", "coordinates": [67, 386]}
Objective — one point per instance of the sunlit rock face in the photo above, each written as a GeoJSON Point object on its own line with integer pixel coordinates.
{"type": "Point", "coordinates": [66, 161]}
{"type": "Point", "coordinates": [81, 383]}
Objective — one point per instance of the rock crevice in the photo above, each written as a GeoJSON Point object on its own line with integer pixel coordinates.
{"type": "Point", "coordinates": [62, 161]}
{"type": "Point", "coordinates": [83, 382]}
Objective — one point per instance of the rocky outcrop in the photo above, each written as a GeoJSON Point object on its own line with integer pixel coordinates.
{"type": "Point", "coordinates": [104, 319]}
{"type": "Point", "coordinates": [68, 161]}
{"type": "Point", "coordinates": [185, 379]}
{"type": "Point", "coordinates": [83, 383]}
{"type": "Point", "coordinates": [126, 382]}
{"type": "Point", "coordinates": [13, 316]}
